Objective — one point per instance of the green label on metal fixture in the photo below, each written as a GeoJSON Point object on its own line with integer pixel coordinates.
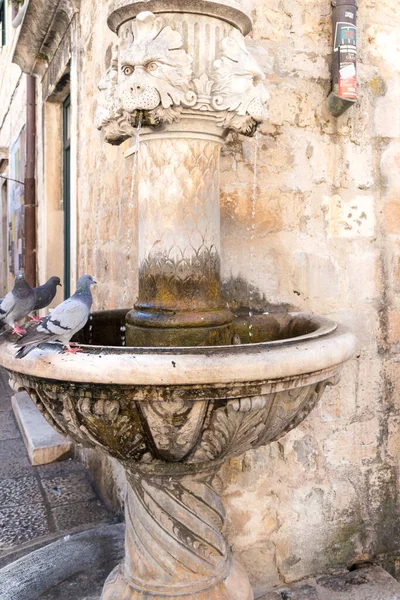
{"type": "Point", "coordinates": [346, 47]}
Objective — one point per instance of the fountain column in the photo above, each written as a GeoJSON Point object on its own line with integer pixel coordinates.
{"type": "Point", "coordinates": [179, 299]}
{"type": "Point", "coordinates": [185, 74]}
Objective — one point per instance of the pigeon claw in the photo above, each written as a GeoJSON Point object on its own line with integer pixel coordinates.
{"type": "Point", "coordinates": [72, 350]}
{"type": "Point", "coordinates": [35, 319]}
{"type": "Point", "coordinates": [17, 329]}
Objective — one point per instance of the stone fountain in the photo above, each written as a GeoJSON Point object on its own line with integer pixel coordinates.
{"type": "Point", "coordinates": [180, 398]}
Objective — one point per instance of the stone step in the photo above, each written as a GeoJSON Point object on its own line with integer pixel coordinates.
{"type": "Point", "coordinates": [43, 443]}
{"type": "Point", "coordinates": [368, 583]}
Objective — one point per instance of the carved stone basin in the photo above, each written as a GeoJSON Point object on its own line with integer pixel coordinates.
{"type": "Point", "coordinates": [171, 416]}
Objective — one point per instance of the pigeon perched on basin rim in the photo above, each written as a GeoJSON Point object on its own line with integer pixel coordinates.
{"type": "Point", "coordinates": [17, 304]}
{"type": "Point", "coordinates": [63, 322]}
{"type": "Point", "coordinates": [44, 294]}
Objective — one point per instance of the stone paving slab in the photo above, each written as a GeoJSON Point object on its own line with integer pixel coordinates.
{"type": "Point", "coordinates": [69, 516]}
{"type": "Point", "coordinates": [19, 524]}
{"type": "Point", "coordinates": [8, 426]}
{"type": "Point", "coordinates": [19, 491]}
{"type": "Point", "coordinates": [5, 392]}
{"type": "Point", "coordinates": [68, 488]}
{"type": "Point", "coordinates": [38, 503]}
{"type": "Point", "coordinates": [369, 583]}
{"type": "Point", "coordinates": [14, 460]}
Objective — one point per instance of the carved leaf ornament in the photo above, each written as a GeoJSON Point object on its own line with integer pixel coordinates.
{"type": "Point", "coordinates": [189, 432]}
{"type": "Point", "coordinates": [239, 80]}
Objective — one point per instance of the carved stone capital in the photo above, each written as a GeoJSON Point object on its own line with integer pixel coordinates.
{"type": "Point", "coordinates": [230, 11]}
{"type": "Point", "coordinates": [154, 73]}
{"type": "Point", "coordinates": [149, 73]}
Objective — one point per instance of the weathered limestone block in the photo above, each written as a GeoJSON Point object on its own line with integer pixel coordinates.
{"type": "Point", "coordinates": [390, 161]}
{"type": "Point", "coordinates": [368, 266]}
{"type": "Point", "coordinates": [387, 104]}
{"type": "Point", "coordinates": [360, 160]}
{"type": "Point", "coordinates": [177, 77]}
{"type": "Point", "coordinates": [316, 275]}
{"type": "Point", "coordinates": [350, 217]}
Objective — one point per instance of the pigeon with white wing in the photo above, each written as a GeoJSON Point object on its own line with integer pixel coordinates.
{"type": "Point", "coordinates": [63, 322]}
{"type": "Point", "coordinates": [16, 305]}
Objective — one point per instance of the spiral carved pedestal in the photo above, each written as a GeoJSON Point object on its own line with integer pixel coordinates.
{"type": "Point", "coordinates": [174, 545]}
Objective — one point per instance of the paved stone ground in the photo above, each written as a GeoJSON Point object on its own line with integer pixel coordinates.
{"type": "Point", "coordinates": [39, 504]}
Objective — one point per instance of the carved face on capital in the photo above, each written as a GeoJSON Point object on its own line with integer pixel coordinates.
{"type": "Point", "coordinates": [153, 68]}
{"type": "Point", "coordinates": [149, 73]}
{"type": "Point", "coordinates": [239, 82]}
{"type": "Point", "coordinates": [105, 107]}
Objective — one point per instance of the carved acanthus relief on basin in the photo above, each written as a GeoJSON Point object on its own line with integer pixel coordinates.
{"type": "Point", "coordinates": [130, 428]}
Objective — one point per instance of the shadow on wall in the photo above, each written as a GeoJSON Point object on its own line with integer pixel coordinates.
{"type": "Point", "coordinates": [242, 296]}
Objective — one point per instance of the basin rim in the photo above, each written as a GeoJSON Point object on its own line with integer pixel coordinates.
{"type": "Point", "coordinates": [327, 348]}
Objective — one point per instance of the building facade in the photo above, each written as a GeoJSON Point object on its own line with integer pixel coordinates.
{"type": "Point", "coordinates": [327, 240]}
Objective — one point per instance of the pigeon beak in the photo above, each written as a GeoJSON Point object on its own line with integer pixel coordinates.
{"type": "Point", "coordinates": [60, 284]}
{"type": "Point", "coordinates": [94, 282]}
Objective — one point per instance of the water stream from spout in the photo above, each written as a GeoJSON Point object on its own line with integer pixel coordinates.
{"type": "Point", "coordinates": [252, 233]}
{"type": "Point", "coordinates": [131, 206]}
{"type": "Point", "coordinates": [98, 209]}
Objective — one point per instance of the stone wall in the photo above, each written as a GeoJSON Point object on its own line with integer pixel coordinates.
{"type": "Point", "coordinates": [327, 225]}
{"type": "Point", "coordinates": [104, 176]}
{"type": "Point", "coordinates": [326, 240]}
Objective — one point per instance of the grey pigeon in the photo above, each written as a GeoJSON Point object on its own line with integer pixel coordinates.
{"type": "Point", "coordinates": [45, 293]}
{"type": "Point", "coordinates": [63, 322]}
{"type": "Point", "coordinates": [16, 305]}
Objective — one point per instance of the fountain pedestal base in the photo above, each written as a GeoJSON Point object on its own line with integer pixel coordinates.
{"type": "Point", "coordinates": [174, 545]}
{"type": "Point", "coordinates": [236, 586]}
